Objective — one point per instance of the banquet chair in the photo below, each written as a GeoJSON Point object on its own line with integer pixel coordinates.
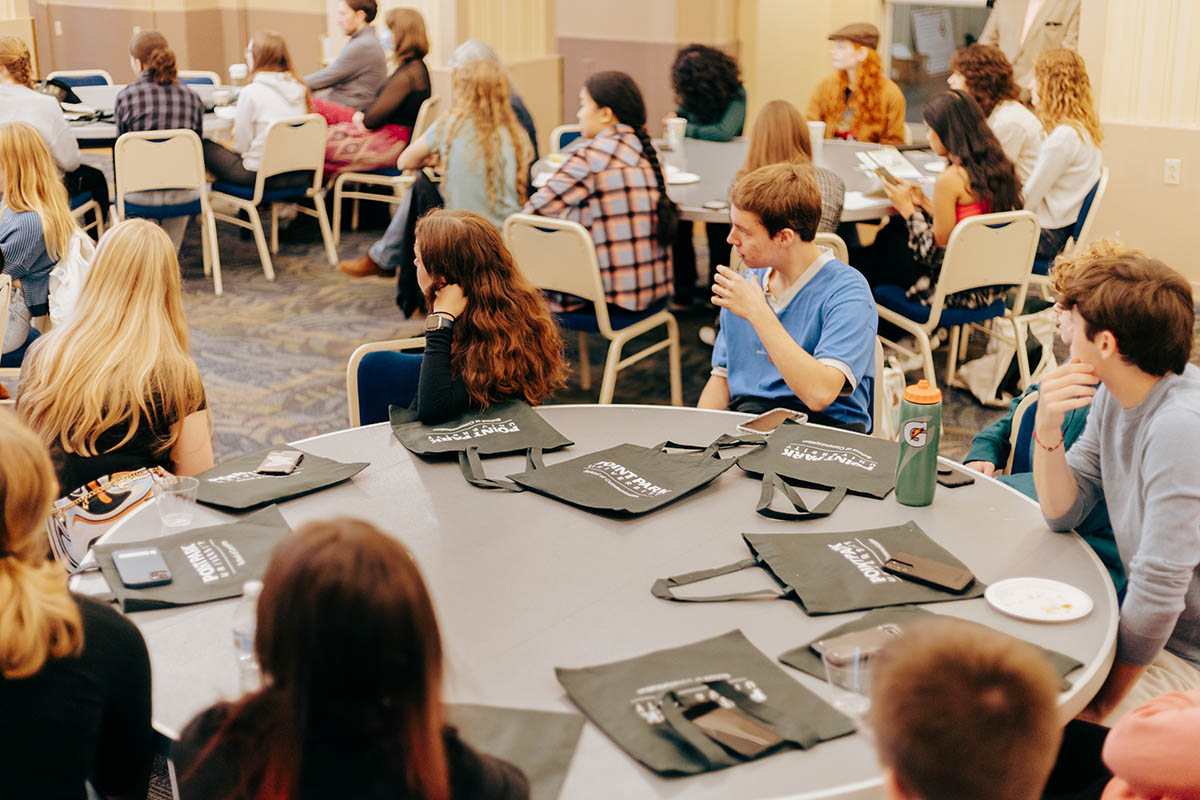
{"type": "Point", "coordinates": [392, 177]}
{"type": "Point", "coordinates": [199, 77]}
{"type": "Point", "coordinates": [558, 255]}
{"type": "Point", "coordinates": [1081, 232]}
{"type": "Point", "coordinates": [1020, 436]}
{"type": "Point", "coordinates": [563, 135]}
{"type": "Point", "coordinates": [397, 387]}
{"type": "Point", "coordinates": [984, 250]}
{"type": "Point", "coordinates": [81, 77]}
{"type": "Point", "coordinates": [81, 205]}
{"type": "Point", "coordinates": [291, 145]}
{"type": "Point", "coordinates": [13, 373]}
{"type": "Point", "coordinates": [173, 159]}
{"type": "Point", "coordinates": [879, 407]}
{"type": "Point", "coordinates": [834, 243]}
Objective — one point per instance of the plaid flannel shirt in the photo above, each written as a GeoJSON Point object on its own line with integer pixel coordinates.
{"type": "Point", "coordinates": [608, 186]}
{"type": "Point", "coordinates": [148, 106]}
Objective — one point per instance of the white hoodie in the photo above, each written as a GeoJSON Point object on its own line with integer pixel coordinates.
{"type": "Point", "coordinates": [270, 97]}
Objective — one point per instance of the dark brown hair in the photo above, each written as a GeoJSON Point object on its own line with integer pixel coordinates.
{"type": "Point", "coordinates": [348, 642]}
{"type": "Point", "coordinates": [368, 7]}
{"type": "Point", "coordinates": [506, 344]}
{"type": "Point", "coordinates": [150, 48]}
{"type": "Point", "coordinates": [960, 710]}
{"type": "Point", "coordinates": [1146, 305]}
{"type": "Point", "coordinates": [783, 196]}
{"type": "Point", "coordinates": [705, 81]}
{"type": "Point", "coordinates": [408, 33]}
{"type": "Point", "coordinates": [959, 122]}
{"type": "Point", "coordinates": [988, 74]}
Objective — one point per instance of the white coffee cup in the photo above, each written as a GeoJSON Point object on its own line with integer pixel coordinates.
{"type": "Point", "coordinates": [676, 129]}
{"type": "Point", "coordinates": [222, 97]}
{"type": "Point", "coordinates": [237, 74]}
{"type": "Point", "coordinates": [816, 137]}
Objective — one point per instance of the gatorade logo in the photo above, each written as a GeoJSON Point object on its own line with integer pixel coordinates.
{"type": "Point", "coordinates": [916, 432]}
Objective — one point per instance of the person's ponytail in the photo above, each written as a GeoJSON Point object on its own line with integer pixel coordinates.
{"type": "Point", "coordinates": [150, 48]}
{"type": "Point", "coordinates": [666, 211]}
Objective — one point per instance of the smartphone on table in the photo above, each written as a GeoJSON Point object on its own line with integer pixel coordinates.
{"type": "Point", "coordinates": [930, 572]}
{"type": "Point", "coordinates": [763, 424]}
{"type": "Point", "coordinates": [280, 462]}
{"type": "Point", "coordinates": [868, 640]}
{"type": "Point", "coordinates": [138, 567]}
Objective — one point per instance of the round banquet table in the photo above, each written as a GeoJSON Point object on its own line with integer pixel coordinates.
{"type": "Point", "coordinates": [523, 584]}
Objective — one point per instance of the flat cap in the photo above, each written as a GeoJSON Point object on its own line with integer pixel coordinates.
{"type": "Point", "coordinates": [863, 33]}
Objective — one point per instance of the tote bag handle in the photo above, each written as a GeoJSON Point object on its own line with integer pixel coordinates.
{"type": "Point", "coordinates": [722, 442]}
{"type": "Point", "coordinates": [471, 467]}
{"type": "Point", "coordinates": [771, 481]}
{"type": "Point", "coordinates": [662, 587]}
{"type": "Point", "coordinates": [712, 754]}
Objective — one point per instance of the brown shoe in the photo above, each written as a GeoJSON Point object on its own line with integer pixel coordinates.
{"type": "Point", "coordinates": [362, 267]}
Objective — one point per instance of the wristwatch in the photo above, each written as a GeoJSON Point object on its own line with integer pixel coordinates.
{"type": "Point", "coordinates": [438, 321]}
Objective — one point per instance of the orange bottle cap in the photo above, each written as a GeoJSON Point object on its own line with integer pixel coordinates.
{"type": "Point", "coordinates": [922, 393]}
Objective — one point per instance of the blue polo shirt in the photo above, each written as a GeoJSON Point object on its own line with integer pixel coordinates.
{"type": "Point", "coordinates": [830, 312]}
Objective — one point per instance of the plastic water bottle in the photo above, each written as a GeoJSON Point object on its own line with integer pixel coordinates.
{"type": "Point", "coordinates": [245, 618]}
{"type": "Point", "coordinates": [920, 430]}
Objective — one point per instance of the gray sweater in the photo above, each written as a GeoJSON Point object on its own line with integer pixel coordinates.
{"type": "Point", "coordinates": [356, 74]}
{"type": "Point", "coordinates": [1145, 462]}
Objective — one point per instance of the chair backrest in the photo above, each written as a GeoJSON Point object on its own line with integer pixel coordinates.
{"type": "Point", "coordinates": [292, 145]}
{"type": "Point", "coordinates": [558, 255]}
{"type": "Point", "coordinates": [1020, 435]}
{"type": "Point", "coordinates": [879, 408]}
{"type": "Point", "coordinates": [5, 296]}
{"type": "Point", "coordinates": [82, 77]}
{"type": "Point", "coordinates": [1087, 212]}
{"type": "Point", "coordinates": [145, 160]}
{"type": "Point", "coordinates": [835, 243]}
{"type": "Point", "coordinates": [988, 250]}
{"type": "Point", "coordinates": [352, 393]}
{"type": "Point", "coordinates": [426, 114]}
{"type": "Point", "coordinates": [201, 77]}
{"type": "Point", "coordinates": [563, 135]}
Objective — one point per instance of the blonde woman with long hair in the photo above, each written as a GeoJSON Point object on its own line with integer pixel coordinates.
{"type": "Point", "coordinates": [275, 92]}
{"type": "Point", "coordinates": [1069, 162]}
{"type": "Point", "coordinates": [484, 155]}
{"type": "Point", "coordinates": [35, 227]}
{"type": "Point", "coordinates": [115, 389]}
{"type": "Point", "coordinates": [74, 673]}
{"type": "Point", "coordinates": [858, 101]}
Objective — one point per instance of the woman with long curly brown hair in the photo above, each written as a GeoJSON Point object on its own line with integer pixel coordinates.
{"type": "Point", "coordinates": [1069, 163]}
{"type": "Point", "coordinates": [858, 101]}
{"type": "Point", "coordinates": [984, 71]}
{"type": "Point", "coordinates": [348, 639]}
{"type": "Point", "coordinates": [489, 336]}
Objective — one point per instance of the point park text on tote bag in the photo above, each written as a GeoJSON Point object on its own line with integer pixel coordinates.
{"type": "Point", "coordinates": [509, 427]}
{"type": "Point", "coordinates": [815, 455]}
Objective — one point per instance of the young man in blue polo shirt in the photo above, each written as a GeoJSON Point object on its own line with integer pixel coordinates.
{"type": "Point", "coordinates": [798, 327]}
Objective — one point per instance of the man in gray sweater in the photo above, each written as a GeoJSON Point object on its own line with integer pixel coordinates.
{"type": "Point", "coordinates": [1132, 319]}
{"type": "Point", "coordinates": [354, 77]}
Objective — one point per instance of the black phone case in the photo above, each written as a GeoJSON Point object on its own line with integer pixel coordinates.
{"type": "Point", "coordinates": [929, 572]}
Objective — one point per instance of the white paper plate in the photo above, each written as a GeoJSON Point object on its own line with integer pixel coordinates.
{"type": "Point", "coordinates": [1039, 600]}
{"type": "Point", "coordinates": [676, 178]}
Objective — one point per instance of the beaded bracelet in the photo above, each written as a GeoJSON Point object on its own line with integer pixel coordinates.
{"type": "Point", "coordinates": [1043, 445]}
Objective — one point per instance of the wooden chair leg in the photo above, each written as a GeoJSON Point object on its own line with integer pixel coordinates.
{"type": "Point", "coordinates": [585, 366]}
{"type": "Point", "coordinates": [608, 384]}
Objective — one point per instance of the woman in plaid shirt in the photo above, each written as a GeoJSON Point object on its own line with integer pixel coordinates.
{"type": "Point", "coordinates": [613, 185]}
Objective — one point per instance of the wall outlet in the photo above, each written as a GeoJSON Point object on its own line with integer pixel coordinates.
{"type": "Point", "coordinates": [58, 27]}
{"type": "Point", "coordinates": [1172, 167]}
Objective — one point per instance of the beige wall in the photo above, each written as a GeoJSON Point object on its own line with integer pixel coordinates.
{"type": "Point", "coordinates": [1145, 67]}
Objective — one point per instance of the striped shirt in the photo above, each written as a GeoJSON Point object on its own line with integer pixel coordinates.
{"type": "Point", "coordinates": [23, 246]}
{"type": "Point", "coordinates": [608, 186]}
{"type": "Point", "coordinates": [148, 106]}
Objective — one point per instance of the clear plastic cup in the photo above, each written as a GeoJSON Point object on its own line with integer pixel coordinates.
{"type": "Point", "coordinates": [848, 670]}
{"type": "Point", "coordinates": [177, 501]}
{"type": "Point", "coordinates": [676, 129]}
{"type": "Point", "coordinates": [816, 138]}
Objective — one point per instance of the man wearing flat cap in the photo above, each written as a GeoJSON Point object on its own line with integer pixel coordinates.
{"type": "Point", "coordinates": [858, 101]}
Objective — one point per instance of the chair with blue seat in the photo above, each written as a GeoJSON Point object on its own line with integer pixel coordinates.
{"type": "Point", "coordinates": [1082, 230]}
{"type": "Point", "coordinates": [984, 250]}
{"type": "Point", "coordinates": [563, 135]}
{"type": "Point", "coordinates": [199, 77]}
{"type": "Point", "coordinates": [291, 145]}
{"type": "Point", "coordinates": [83, 204]}
{"type": "Point", "coordinates": [380, 374]}
{"type": "Point", "coordinates": [81, 77]}
{"type": "Point", "coordinates": [389, 177]}
{"type": "Point", "coordinates": [173, 159]}
{"type": "Point", "coordinates": [558, 255]}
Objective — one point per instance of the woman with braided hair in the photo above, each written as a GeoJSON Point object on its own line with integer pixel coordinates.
{"type": "Point", "coordinates": [858, 101]}
{"type": "Point", "coordinates": [20, 103]}
{"type": "Point", "coordinates": [613, 185]}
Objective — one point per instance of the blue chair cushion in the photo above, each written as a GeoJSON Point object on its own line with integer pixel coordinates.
{"type": "Point", "coordinates": [386, 378]}
{"type": "Point", "coordinates": [82, 80]}
{"type": "Point", "coordinates": [1083, 212]}
{"type": "Point", "coordinates": [79, 199]}
{"type": "Point", "coordinates": [1041, 266]}
{"type": "Point", "coordinates": [1022, 453]}
{"type": "Point", "coordinates": [585, 321]}
{"type": "Point", "coordinates": [386, 172]}
{"type": "Point", "coordinates": [198, 81]}
{"type": "Point", "coordinates": [892, 297]}
{"type": "Point", "coordinates": [567, 137]}
{"type": "Point", "coordinates": [162, 212]}
{"type": "Point", "coordinates": [268, 195]}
